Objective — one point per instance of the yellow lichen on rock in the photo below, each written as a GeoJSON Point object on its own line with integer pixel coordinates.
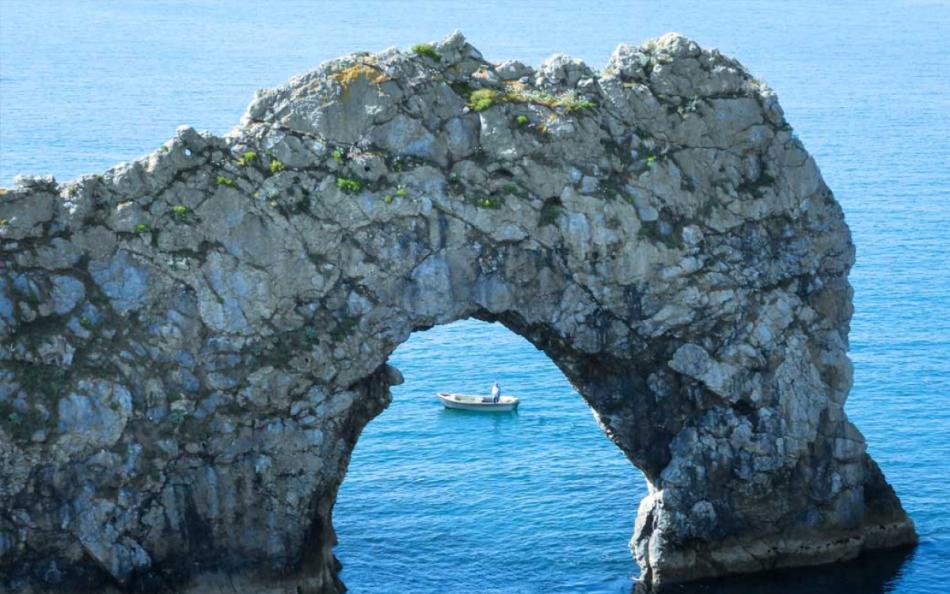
{"type": "Point", "coordinates": [368, 71]}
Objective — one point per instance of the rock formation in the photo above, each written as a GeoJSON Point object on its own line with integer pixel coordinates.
{"type": "Point", "coordinates": [192, 342]}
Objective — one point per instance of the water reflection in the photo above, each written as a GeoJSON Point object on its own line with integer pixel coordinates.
{"type": "Point", "coordinates": [872, 573]}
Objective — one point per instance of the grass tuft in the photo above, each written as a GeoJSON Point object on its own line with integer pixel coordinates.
{"type": "Point", "coordinates": [180, 211]}
{"type": "Point", "coordinates": [518, 92]}
{"type": "Point", "coordinates": [247, 158]}
{"type": "Point", "coordinates": [348, 185]}
{"type": "Point", "coordinates": [482, 99]}
{"type": "Point", "coordinates": [578, 104]}
{"type": "Point", "coordinates": [426, 50]}
{"type": "Point", "coordinates": [488, 203]}
{"type": "Point", "coordinates": [549, 213]}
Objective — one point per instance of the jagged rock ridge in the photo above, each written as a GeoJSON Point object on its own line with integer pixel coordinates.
{"type": "Point", "coordinates": [192, 342]}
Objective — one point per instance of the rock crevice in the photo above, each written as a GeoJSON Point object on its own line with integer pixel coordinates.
{"type": "Point", "coordinates": [193, 341]}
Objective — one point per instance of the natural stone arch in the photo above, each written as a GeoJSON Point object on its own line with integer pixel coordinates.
{"type": "Point", "coordinates": [205, 331]}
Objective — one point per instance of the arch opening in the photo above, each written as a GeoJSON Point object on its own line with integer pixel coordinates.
{"type": "Point", "coordinates": [536, 496]}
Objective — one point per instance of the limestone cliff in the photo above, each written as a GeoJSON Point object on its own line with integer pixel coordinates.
{"type": "Point", "coordinates": [192, 342]}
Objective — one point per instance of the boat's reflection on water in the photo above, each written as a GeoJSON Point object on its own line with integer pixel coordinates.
{"type": "Point", "coordinates": [872, 573]}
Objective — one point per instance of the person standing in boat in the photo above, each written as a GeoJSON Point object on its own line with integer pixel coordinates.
{"type": "Point", "coordinates": [495, 393]}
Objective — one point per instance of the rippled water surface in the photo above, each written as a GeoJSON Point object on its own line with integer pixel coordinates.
{"type": "Point", "coordinates": [446, 502]}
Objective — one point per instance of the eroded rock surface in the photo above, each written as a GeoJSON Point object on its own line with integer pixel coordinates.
{"type": "Point", "coordinates": [192, 342]}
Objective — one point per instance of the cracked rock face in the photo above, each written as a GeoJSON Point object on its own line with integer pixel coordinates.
{"type": "Point", "coordinates": [192, 342]}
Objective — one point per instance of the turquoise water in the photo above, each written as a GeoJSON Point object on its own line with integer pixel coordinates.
{"type": "Point", "coordinates": [540, 502]}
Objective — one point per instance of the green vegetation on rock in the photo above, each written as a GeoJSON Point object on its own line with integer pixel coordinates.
{"type": "Point", "coordinates": [247, 158]}
{"type": "Point", "coordinates": [549, 213]}
{"type": "Point", "coordinates": [426, 50]}
{"type": "Point", "coordinates": [180, 211]}
{"type": "Point", "coordinates": [482, 99]}
{"type": "Point", "coordinates": [570, 101]}
{"type": "Point", "coordinates": [488, 203]}
{"type": "Point", "coordinates": [656, 231]}
{"type": "Point", "coordinates": [348, 185]}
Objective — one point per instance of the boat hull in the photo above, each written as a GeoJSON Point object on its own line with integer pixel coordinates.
{"type": "Point", "coordinates": [478, 403]}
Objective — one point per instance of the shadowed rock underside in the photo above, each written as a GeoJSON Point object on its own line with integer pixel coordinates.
{"type": "Point", "coordinates": [192, 342]}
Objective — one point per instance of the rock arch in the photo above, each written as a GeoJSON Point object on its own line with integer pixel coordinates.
{"type": "Point", "coordinates": [193, 341]}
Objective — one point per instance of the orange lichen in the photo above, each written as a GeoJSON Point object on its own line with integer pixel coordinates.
{"type": "Point", "coordinates": [349, 75]}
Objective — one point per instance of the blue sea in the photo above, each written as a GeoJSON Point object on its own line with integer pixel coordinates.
{"type": "Point", "coordinates": [539, 501]}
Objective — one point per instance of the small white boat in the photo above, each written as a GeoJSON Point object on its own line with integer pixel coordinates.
{"type": "Point", "coordinates": [471, 402]}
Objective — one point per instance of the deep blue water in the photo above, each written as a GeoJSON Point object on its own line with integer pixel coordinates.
{"type": "Point", "coordinates": [540, 502]}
